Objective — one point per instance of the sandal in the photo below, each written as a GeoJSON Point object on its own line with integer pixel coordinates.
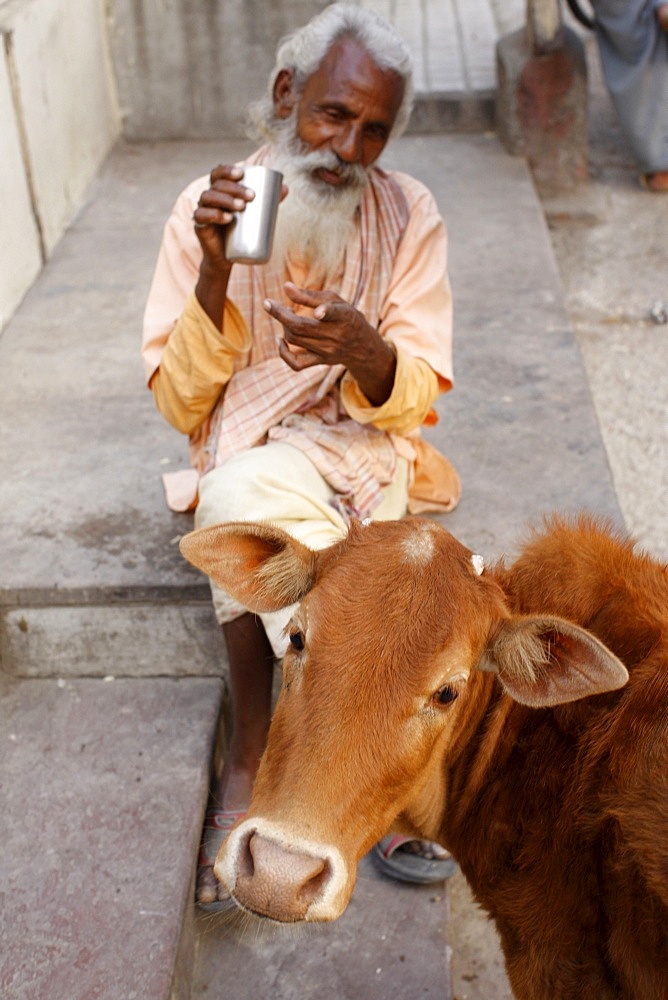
{"type": "Point", "coordinates": [407, 867]}
{"type": "Point", "coordinates": [217, 825]}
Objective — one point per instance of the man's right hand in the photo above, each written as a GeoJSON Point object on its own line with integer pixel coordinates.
{"type": "Point", "coordinates": [214, 212]}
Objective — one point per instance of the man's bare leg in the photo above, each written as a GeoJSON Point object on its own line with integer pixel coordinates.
{"type": "Point", "coordinates": [251, 662]}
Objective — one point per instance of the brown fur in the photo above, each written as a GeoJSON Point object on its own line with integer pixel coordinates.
{"type": "Point", "coordinates": [557, 815]}
{"type": "Point", "coordinates": [578, 882]}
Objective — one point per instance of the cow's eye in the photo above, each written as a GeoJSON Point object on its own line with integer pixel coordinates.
{"type": "Point", "coordinates": [297, 640]}
{"type": "Point", "coordinates": [445, 695]}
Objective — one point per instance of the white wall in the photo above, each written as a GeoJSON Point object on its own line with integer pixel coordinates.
{"type": "Point", "coordinates": [188, 68]}
{"type": "Point", "coordinates": [20, 256]}
{"type": "Point", "coordinates": [58, 120]}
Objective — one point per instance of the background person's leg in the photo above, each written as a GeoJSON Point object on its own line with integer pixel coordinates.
{"type": "Point", "coordinates": [634, 59]}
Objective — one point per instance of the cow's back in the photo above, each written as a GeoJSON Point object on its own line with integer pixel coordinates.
{"type": "Point", "coordinates": [579, 793]}
{"type": "Point", "coordinates": [590, 575]}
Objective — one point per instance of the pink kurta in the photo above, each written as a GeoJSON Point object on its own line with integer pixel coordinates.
{"type": "Point", "coordinates": [230, 390]}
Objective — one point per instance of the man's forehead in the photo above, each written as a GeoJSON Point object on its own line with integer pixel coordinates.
{"type": "Point", "coordinates": [348, 69]}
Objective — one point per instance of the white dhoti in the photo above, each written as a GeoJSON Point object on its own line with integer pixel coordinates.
{"type": "Point", "coordinates": [278, 484]}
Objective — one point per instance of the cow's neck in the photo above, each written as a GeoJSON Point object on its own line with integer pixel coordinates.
{"type": "Point", "coordinates": [487, 737]}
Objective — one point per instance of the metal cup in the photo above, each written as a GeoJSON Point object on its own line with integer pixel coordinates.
{"type": "Point", "coordinates": [250, 235]}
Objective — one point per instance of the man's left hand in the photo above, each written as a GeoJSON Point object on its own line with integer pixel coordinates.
{"type": "Point", "coordinates": [335, 334]}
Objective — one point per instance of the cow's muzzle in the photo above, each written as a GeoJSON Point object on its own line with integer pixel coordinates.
{"type": "Point", "coordinates": [282, 876]}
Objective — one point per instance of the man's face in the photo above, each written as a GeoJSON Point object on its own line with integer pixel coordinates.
{"type": "Point", "coordinates": [347, 108]}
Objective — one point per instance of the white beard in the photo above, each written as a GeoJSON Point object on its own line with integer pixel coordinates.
{"type": "Point", "coordinates": [315, 221]}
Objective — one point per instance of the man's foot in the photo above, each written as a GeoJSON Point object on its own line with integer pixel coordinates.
{"type": "Point", "coordinates": [212, 895]}
{"type": "Point", "coordinates": [411, 860]}
{"type": "Point", "coordinates": [656, 182]}
{"type": "Point", "coordinates": [228, 803]}
{"type": "Point", "coordinates": [662, 16]}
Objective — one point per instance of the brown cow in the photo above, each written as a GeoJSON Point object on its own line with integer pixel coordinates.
{"type": "Point", "coordinates": [469, 707]}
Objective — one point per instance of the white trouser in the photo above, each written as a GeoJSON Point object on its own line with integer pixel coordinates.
{"type": "Point", "coordinates": [278, 484]}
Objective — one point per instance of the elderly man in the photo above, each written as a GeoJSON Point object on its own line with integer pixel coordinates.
{"type": "Point", "coordinates": [302, 382]}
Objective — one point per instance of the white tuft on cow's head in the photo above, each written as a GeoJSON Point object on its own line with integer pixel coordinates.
{"type": "Point", "coordinates": [419, 545]}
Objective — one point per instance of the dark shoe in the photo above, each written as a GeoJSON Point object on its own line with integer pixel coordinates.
{"type": "Point", "coordinates": [408, 866]}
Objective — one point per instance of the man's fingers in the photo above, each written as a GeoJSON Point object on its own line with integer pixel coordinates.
{"type": "Point", "coordinates": [323, 312]}
{"type": "Point", "coordinates": [317, 342]}
{"type": "Point", "coordinates": [302, 296]}
{"type": "Point", "coordinates": [203, 217]}
{"type": "Point", "coordinates": [279, 312]}
{"type": "Point", "coordinates": [298, 360]}
{"type": "Point", "coordinates": [290, 320]}
{"type": "Point", "coordinates": [333, 312]}
{"type": "Point", "coordinates": [308, 297]}
{"type": "Point", "coordinates": [226, 170]}
{"type": "Point", "coordinates": [224, 197]}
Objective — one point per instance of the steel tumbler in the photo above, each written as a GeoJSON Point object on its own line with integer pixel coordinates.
{"type": "Point", "coordinates": [250, 234]}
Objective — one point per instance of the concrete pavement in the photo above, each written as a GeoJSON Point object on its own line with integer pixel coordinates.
{"type": "Point", "coordinates": [609, 238]}
{"type": "Point", "coordinates": [104, 781]}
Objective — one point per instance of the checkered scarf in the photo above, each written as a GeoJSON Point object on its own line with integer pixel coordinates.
{"type": "Point", "coordinates": [265, 399]}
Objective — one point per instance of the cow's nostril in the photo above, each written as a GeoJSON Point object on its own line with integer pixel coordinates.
{"type": "Point", "coordinates": [245, 860]}
{"type": "Point", "coordinates": [315, 882]}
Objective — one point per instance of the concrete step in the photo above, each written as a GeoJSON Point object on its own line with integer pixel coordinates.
{"type": "Point", "coordinates": [103, 790]}
{"type": "Point", "coordinates": [179, 638]}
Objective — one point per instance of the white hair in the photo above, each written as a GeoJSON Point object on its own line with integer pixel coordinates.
{"type": "Point", "coordinates": [303, 51]}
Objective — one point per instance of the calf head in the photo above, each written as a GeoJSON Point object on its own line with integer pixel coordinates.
{"type": "Point", "coordinates": [386, 677]}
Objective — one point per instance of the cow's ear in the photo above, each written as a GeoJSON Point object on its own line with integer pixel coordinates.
{"type": "Point", "coordinates": [260, 566]}
{"type": "Point", "coordinates": [546, 660]}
